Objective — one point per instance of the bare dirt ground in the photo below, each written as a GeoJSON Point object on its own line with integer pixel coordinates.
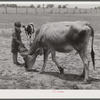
{"type": "Point", "coordinates": [14, 77]}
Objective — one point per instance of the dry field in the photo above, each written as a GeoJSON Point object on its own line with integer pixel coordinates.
{"type": "Point", "coordinates": [14, 77]}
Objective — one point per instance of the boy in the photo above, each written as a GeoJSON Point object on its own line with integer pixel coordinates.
{"type": "Point", "coordinates": [16, 42]}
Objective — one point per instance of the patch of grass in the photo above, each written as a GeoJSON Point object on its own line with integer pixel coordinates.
{"type": "Point", "coordinates": [5, 34]}
{"type": "Point", "coordinates": [39, 19]}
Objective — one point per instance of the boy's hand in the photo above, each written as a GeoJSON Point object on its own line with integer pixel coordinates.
{"type": "Point", "coordinates": [22, 44]}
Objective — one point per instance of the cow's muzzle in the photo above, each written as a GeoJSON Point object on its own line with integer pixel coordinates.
{"type": "Point", "coordinates": [30, 59]}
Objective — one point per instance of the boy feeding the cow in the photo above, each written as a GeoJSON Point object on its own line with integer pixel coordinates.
{"type": "Point", "coordinates": [16, 42]}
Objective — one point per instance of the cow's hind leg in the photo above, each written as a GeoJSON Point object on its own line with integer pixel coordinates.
{"type": "Point", "coordinates": [83, 73]}
{"type": "Point", "coordinates": [55, 61]}
{"type": "Point", "coordinates": [85, 60]}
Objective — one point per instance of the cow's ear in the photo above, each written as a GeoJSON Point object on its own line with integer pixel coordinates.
{"type": "Point", "coordinates": [23, 26]}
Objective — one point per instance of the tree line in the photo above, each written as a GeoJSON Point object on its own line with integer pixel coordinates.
{"type": "Point", "coordinates": [44, 7]}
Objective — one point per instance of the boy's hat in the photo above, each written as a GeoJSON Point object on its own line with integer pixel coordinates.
{"type": "Point", "coordinates": [17, 24]}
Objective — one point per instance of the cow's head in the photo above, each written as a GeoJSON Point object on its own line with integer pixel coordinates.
{"type": "Point", "coordinates": [29, 59]}
{"type": "Point", "coordinates": [25, 29]}
{"type": "Point", "coordinates": [29, 29]}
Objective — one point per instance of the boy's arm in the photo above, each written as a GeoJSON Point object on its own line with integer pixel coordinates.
{"type": "Point", "coordinates": [15, 38]}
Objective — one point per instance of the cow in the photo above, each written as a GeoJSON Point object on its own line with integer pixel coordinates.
{"type": "Point", "coordinates": [29, 30]}
{"type": "Point", "coordinates": [62, 37]}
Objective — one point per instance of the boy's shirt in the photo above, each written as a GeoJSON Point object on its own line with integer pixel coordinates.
{"type": "Point", "coordinates": [16, 36]}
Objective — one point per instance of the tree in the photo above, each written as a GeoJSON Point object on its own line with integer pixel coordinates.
{"type": "Point", "coordinates": [91, 10]}
{"type": "Point", "coordinates": [38, 6]}
{"type": "Point", "coordinates": [50, 6]}
{"type": "Point", "coordinates": [11, 5]}
{"type": "Point", "coordinates": [8, 5]}
{"type": "Point", "coordinates": [64, 6]}
{"type": "Point", "coordinates": [36, 10]}
{"type": "Point", "coordinates": [32, 6]}
{"type": "Point", "coordinates": [95, 9]}
{"type": "Point", "coordinates": [59, 6]}
{"type": "Point", "coordinates": [43, 8]}
{"type": "Point", "coordinates": [67, 7]}
{"type": "Point", "coordinates": [3, 5]}
{"type": "Point", "coordinates": [98, 7]}
{"type": "Point", "coordinates": [26, 10]}
{"type": "Point", "coordinates": [75, 9]}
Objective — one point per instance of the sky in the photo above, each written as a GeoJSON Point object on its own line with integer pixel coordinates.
{"type": "Point", "coordinates": [79, 4]}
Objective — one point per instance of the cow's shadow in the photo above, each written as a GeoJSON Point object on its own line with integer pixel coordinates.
{"type": "Point", "coordinates": [70, 77]}
{"type": "Point", "coordinates": [32, 70]}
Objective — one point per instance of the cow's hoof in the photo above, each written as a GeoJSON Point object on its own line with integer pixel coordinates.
{"type": "Point", "coordinates": [42, 71]}
{"type": "Point", "coordinates": [61, 70]}
{"type": "Point", "coordinates": [30, 44]}
{"type": "Point", "coordinates": [28, 70]}
{"type": "Point", "coordinates": [82, 75]}
{"type": "Point", "coordinates": [87, 82]}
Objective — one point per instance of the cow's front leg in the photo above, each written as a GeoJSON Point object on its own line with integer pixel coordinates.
{"type": "Point", "coordinates": [83, 73]}
{"type": "Point", "coordinates": [46, 52]}
{"type": "Point", "coordinates": [55, 61]}
{"type": "Point", "coordinates": [27, 40]}
{"type": "Point", "coordinates": [30, 40]}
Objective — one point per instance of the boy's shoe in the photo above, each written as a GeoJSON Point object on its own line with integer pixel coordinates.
{"type": "Point", "coordinates": [19, 64]}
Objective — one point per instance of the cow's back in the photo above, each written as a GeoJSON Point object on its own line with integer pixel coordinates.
{"type": "Point", "coordinates": [61, 35]}
{"type": "Point", "coordinates": [59, 30]}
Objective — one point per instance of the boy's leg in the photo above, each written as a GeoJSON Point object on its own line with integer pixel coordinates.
{"type": "Point", "coordinates": [15, 55]}
{"type": "Point", "coordinates": [15, 58]}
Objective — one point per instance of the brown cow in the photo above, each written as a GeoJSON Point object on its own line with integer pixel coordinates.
{"type": "Point", "coordinates": [62, 37]}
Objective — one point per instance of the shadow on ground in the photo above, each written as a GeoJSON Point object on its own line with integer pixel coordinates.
{"type": "Point", "coordinates": [70, 77]}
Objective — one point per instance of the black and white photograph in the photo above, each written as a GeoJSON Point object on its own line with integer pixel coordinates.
{"type": "Point", "coordinates": [50, 45]}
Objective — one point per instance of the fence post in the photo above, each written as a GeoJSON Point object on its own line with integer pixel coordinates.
{"type": "Point", "coordinates": [73, 11]}
{"type": "Point", "coordinates": [43, 9]}
{"type": "Point", "coordinates": [26, 10]}
{"type": "Point", "coordinates": [6, 9]}
{"type": "Point", "coordinates": [36, 11]}
{"type": "Point", "coordinates": [51, 11]}
{"type": "Point", "coordinates": [85, 11]}
{"type": "Point", "coordinates": [16, 9]}
{"type": "Point", "coordinates": [96, 10]}
{"type": "Point", "coordinates": [91, 10]}
{"type": "Point", "coordinates": [80, 10]}
{"type": "Point", "coordinates": [67, 10]}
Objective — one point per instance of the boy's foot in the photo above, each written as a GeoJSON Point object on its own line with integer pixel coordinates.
{"type": "Point", "coordinates": [19, 64]}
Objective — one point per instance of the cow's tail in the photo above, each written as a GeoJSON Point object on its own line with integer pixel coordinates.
{"type": "Point", "coordinates": [92, 51]}
{"type": "Point", "coordinates": [34, 45]}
